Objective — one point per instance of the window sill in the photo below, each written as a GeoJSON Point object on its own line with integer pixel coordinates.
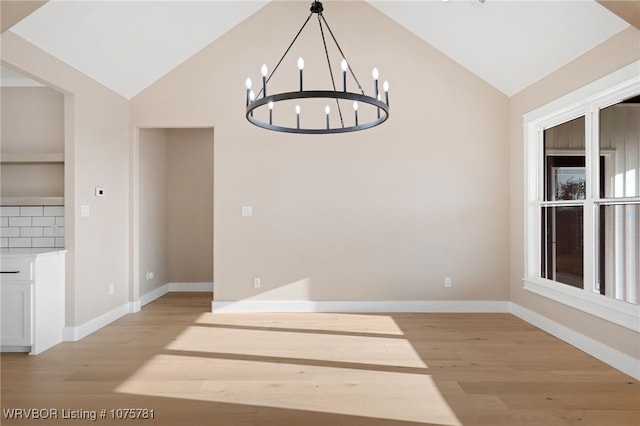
{"type": "Point", "coordinates": [616, 311]}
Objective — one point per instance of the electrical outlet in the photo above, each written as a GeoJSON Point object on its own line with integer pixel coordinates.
{"type": "Point", "coordinates": [256, 282]}
{"type": "Point", "coordinates": [112, 289]}
{"type": "Point", "coordinates": [447, 281]}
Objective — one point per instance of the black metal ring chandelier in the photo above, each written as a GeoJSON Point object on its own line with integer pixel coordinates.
{"type": "Point", "coordinates": [262, 100]}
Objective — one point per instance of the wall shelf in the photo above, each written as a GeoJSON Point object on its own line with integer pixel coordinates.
{"type": "Point", "coordinates": [32, 201]}
{"type": "Point", "coordinates": [31, 158]}
{"type": "Point", "coordinates": [32, 179]}
{"type": "Point", "coordinates": [32, 155]}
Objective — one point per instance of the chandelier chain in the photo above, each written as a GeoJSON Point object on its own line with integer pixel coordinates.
{"type": "Point", "coordinates": [326, 52]}
{"type": "Point", "coordinates": [287, 51]}
{"type": "Point", "coordinates": [342, 54]}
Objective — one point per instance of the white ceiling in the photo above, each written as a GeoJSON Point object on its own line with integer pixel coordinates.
{"type": "Point", "coordinates": [509, 44]}
{"type": "Point", "coordinates": [128, 45]}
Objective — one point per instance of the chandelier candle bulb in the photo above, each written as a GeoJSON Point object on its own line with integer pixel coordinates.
{"type": "Point", "coordinates": [270, 112]}
{"type": "Point", "coordinates": [344, 67]}
{"type": "Point", "coordinates": [355, 110]}
{"type": "Point", "coordinates": [300, 67]}
{"type": "Point", "coordinates": [264, 79]}
{"type": "Point", "coordinates": [375, 74]}
{"type": "Point", "coordinates": [327, 110]}
{"type": "Point", "coordinates": [248, 84]}
{"type": "Point", "coordinates": [297, 116]}
{"type": "Point", "coordinates": [385, 87]}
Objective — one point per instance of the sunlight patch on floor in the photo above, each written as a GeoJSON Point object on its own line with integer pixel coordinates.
{"type": "Point", "coordinates": [357, 392]}
{"type": "Point", "coordinates": [325, 347]}
{"type": "Point", "coordinates": [344, 323]}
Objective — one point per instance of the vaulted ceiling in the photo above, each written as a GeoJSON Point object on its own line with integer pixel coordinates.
{"type": "Point", "coordinates": [128, 45]}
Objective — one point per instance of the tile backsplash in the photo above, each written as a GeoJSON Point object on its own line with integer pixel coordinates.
{"type": "Point", "coordinates": [31, 226]}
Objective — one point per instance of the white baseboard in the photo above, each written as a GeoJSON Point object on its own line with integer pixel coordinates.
{"type": "Point", "coordinates": [175, 287]}
{"type": "Point", "coordinates": [191, 287]}
{"type": "Point", "coordinates": [618, 360]}
{"type": "Point", "coordinates": [219, 306]}
{"type": "Point", "coordinates": [72, 334]}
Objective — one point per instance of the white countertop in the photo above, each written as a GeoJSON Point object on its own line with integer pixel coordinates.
{"type": "Point", "coordinates": [30, 252]}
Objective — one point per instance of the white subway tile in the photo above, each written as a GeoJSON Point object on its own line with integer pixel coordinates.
{"type": "Point", "coordinates": [60, 221]}
{"type": "Point", "coordinates": [60, 242]}
{"type": "Point", "coordinates": [43, 242]}
{"type": "Point", "coordinates": [60, 231]}
{"type": "Point", "coordinates": [9, 232]}
{"type": "Point", "coordinates": [54, 210]}
{"type": "Point", "coordinates": [31, 232]}
{"type": "Point", "coordinates": [4, 221]}
{"type": "Point", "coordinates": [50, 231]}
{"type": "Point", "coordinates": [4, 242]}
{"type": "Point", "coordinates": [31, 211]}
{"type": "Point", "coordinates": [20, 221]}
{"type": "Point", "coordinates": [10, 211]}
{"type": "Point", "coordinates": [43, 221]}
{"type": "Point", "coordinates": [19, 242]}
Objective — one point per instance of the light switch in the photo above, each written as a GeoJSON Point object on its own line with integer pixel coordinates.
{"type": "Point", "coordinates": [84, 210]}
{"type": "Point", "coordinates": [247, 211]}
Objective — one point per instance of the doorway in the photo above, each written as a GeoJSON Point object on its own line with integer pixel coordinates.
{"type": "Point", "coordinates": [174, 213]}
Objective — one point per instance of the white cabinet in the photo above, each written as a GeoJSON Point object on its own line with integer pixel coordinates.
{"type": "Point", "coordinates": [32, 294]}
{"type": "Point", "coordinates": [16, 315]}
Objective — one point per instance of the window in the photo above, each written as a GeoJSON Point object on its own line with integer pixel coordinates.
{"type": "Point", "coordinates": [582, 220]}
{"type": "Point", "coordinates": [564, 188]}
{"type": "Point", "coordinates": [618, 209]}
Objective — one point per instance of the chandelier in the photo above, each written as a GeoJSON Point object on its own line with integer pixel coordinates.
{"type": "Point", "coordinates": [263, 110]}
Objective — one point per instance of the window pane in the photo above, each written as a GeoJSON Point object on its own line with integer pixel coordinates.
{"type": "Point", "coordinates": [564, 153]}
{"type": "Point", "coordinates": [562, 245]}
{"type": "Point", "coordinates": [620, 148]}
{"type": "Point", "coordinates": [619, 252]}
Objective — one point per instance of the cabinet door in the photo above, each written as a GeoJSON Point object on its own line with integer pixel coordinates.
{"type": "Point", "coordinates": [15, 300]}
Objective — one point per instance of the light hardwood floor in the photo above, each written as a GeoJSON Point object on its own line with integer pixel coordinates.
{"type": "Point", "coordinates": [192, 367]}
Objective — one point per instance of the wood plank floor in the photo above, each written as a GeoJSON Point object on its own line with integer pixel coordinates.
{"type": "Point", "coordinates": [192, 367]}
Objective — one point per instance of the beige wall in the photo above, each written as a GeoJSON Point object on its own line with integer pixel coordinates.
{"type": "Point", "coordinates": [620, 50]}
{"type": "Point", "coordinates": [32, 120]}
{"type": "Point", "coordinates": [383, 214]}
{"type": "Point", "coordinates": [153, 201]}
{"type": "Point", "coordinates": [96, 154]}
